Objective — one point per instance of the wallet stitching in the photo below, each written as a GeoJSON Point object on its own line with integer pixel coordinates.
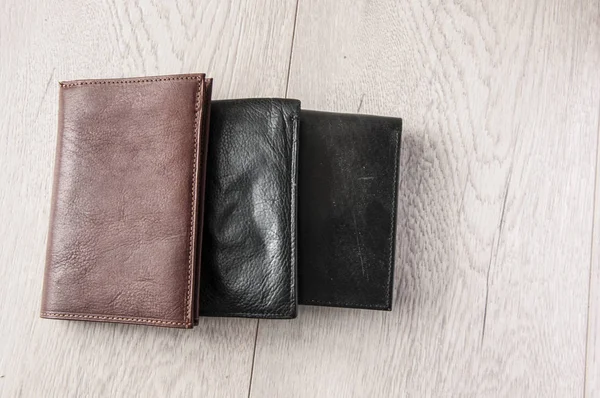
{"type": "Point", "coordinates": [292, 212]}
{"type": "Point", "coordinates": [127, 81]}
{"type": "Point", "coordinates": [393, 217]}
{"type": "Point", "coordinates": [187, 310]}
{"type": "Point", "coordinates": [197, 112]}
{"type": "Point", "coordinates": [114, 318]}
{"type": "Point", "coordinates": [256, 314]}
{"type": "Point", "coordinates": [291, 220]}
{"type": "Point", "coordinates": [357, 305]}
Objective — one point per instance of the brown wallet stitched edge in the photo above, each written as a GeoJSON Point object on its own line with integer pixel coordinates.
{"type": "Point", "coordinates": [201, 114]}
{"type": "Point", "coordinates": [201, 193]}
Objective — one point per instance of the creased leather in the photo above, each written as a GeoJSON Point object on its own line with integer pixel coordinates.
{"type": "Point", "coordinates": [249, 248]}
{"type": "Point", "coordinates": [348, 179]}
{"type": "Point", "coordinates": [122, 239]}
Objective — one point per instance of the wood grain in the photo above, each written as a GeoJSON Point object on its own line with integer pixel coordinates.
{"type": "Point", "coordinates": [592, 379]}
{"type": "Point", "coordinates": [245, 46]}
{"type": "Point", "coordinates": [500, 102]}
{"type": "Point", "coordinates": [496, 204]}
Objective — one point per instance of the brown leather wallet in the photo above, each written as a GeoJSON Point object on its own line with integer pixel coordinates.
{"type": "Point", "coordinates": [127, 201]}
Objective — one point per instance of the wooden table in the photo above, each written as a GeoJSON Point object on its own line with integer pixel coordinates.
{"type": "Point", "coordinates": [497, 289]}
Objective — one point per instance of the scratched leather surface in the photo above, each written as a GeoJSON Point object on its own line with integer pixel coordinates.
{"type": "Point", "coordinates": [124, 206]}
{"type": "Point", "coordinates": [249, 247]}
{"type": "Point", "coordinates": [347, 209]}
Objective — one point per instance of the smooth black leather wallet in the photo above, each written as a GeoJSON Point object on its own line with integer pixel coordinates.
{"type": "Point", "coordinates": [249, 243]}
{"type": "Point", "coordinates": [348, 179]}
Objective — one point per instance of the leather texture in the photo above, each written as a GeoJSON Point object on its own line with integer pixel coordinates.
{"type": "Point", "coordinates": [249, 248]}
{"type": "Point", "coordinates": [122, 239]}
{"type": "Point", "coordinates": [348, 179]}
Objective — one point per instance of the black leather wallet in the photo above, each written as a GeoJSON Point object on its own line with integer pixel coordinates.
{"type": "Point", "coordinates": [249, 244]}
{"type": "Point", "coordinates": [348, 179]}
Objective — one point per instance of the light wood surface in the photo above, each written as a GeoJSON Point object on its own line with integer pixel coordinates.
{"type": "Point", "coordinates": [592, 380]}
{"type": "Point", "coordinates": [497, 287]}
{"type": "Point", "coordinates": [245, 46]}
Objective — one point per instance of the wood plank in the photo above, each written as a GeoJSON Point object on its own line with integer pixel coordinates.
{"type": "Point", "coordinates": [500, 103]}
{"type": "Point", "coordinates": [592, 379]}
{"type": "Point", "coordinates": [245, 46]}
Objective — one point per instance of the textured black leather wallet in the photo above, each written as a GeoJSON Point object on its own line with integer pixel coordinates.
{"type": "Point", "coordinates": [348, 179]}
{"type": "Point", "coordinates": [347, 183]}
{"type": "Point", "coordinates": [249, 245]}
